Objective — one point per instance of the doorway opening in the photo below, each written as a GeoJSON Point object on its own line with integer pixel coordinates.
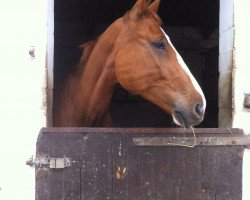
{"type": "Point", "coordinates": [193, 27]}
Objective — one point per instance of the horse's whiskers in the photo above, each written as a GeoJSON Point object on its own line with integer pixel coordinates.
{"type": "Point", "coordinates": [182, 122]}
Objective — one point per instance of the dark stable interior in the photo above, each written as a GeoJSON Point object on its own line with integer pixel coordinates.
{"type": "Point", "coordinates": [192, 26]}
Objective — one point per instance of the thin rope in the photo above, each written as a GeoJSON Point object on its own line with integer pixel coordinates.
{"type": "Point", "coordinates": [230, 131]}
{"type": "Point", "coordinates": [184, 131]}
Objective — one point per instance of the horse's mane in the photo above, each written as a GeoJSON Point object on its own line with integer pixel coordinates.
{"type": "Point", "coordinates": [87, 49]}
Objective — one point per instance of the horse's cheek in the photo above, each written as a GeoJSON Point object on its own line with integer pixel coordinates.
{"type": "Point", "coordinates": [122, 70]}
{"type": "Point", "coordinates": [134, 70]}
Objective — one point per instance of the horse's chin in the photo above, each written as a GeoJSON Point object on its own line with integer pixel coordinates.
{"type": "Point", "coordinates": [181, 121]}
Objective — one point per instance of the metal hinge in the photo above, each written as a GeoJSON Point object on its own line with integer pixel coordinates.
{"type": "Point", "coordinates": [51, 163]}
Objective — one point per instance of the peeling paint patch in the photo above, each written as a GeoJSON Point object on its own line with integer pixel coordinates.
{"type": "Point", "coordinates": [121, 172]}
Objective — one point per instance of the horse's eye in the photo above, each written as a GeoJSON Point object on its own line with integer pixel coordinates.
{"type": "Point", "coordinates": [159, 44]}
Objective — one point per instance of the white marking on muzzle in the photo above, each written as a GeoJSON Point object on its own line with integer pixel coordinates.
{"type": "Point", "coordinates": [184, 66]}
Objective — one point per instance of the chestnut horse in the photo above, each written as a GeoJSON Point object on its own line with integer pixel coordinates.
{"type": "Point", "coordinates": [135, 52]}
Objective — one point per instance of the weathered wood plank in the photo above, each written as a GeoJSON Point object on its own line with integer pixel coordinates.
{"type": "Point", "coordinates": [43, 186]}
{"type": "Point", "coordinates": [95, 167]}
{"type": "Point", "coordinates": [70, 175]}
{"type": "Point", "coordinates": [236, 172]}
{"type": "Point", "coordinates": [217, 173]}
{"type": "Point", "coordinates": [222, 179]}
{"type": "Point", "coordinates": [51, 184]}
{"type": "Point", "coordinates": [178, 172]}
{"type": "Point", "coordinates": [163, 176]}
{"type": "Point", "coordinates": [148, 178]}
{"type": "Point", "coordinates": [134, 172]}
{"type": "Point", "coordinates": [193, 173]}
{"type": "Point", "coordinates": [119, 149]}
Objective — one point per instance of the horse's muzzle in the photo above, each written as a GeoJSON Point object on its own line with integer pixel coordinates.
{"type": "Point", "coordinates": [189, 117]}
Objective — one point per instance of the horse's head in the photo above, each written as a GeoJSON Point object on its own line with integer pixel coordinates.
{"type": "Point", "coordinates": [147, 64]}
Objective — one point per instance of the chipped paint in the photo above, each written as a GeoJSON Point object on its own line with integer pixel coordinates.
{"type": "Point", "coordinates": [121, 172]}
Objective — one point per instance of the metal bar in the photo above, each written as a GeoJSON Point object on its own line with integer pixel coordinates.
{"type": "Point", "coordinates": [221, 140]}
{"type": "Point", "coordinates": [168, 131]}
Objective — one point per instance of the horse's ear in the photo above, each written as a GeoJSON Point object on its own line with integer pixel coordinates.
{"type": "Point", "coordinates": [139, 7]}
{"type": "Point", "coordinates": [153, 7]}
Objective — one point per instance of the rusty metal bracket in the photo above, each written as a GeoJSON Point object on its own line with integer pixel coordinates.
{"type": "Point", "coordinates": [215, 140]}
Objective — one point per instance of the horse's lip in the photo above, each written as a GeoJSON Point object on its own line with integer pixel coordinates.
{"type": "Point", "coordinates": [184, 122]}
{"type": "Point", "coordinates": [181, 119]}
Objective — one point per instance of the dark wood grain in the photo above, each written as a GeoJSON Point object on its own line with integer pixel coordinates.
{"type": "Point", "coordinates": [107, 165]}
{"type": "Point", "coordinates": [95, 167]}
{"type": "Point", "coordinates": [119, 149]}
{"type": "Point", "coordinates": [61, 183]}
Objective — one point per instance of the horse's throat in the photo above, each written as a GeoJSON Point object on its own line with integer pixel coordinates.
{"type": "Point", "coordinates": [98, 100]}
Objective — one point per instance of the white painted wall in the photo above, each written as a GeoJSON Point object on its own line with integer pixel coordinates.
{"type": "Point", "coordinates": [226, 51]}
{"type": "Point", "coordinates": [22, 83]}
{"type": "Point", "coordinates": [241, 81]}
{"type": "Point", "coordinates": [234, 67]}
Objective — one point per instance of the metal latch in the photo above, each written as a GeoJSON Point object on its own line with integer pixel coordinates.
{"type": "Point", "coordinates": [52, 163]}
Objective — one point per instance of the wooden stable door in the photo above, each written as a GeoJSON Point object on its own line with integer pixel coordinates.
{"type": "Point", "coordinates": [139, 164]}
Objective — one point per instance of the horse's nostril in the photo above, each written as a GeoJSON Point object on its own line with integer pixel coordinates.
{"type": "Point", "coordinates": [199, 109]}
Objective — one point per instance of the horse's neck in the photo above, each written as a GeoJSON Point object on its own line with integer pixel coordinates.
{"type": "Point", "coordinates": [97, 82]}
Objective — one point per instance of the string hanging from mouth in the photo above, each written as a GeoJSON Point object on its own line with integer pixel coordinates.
{"type": "Point", "coordinates": [184, 132]}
